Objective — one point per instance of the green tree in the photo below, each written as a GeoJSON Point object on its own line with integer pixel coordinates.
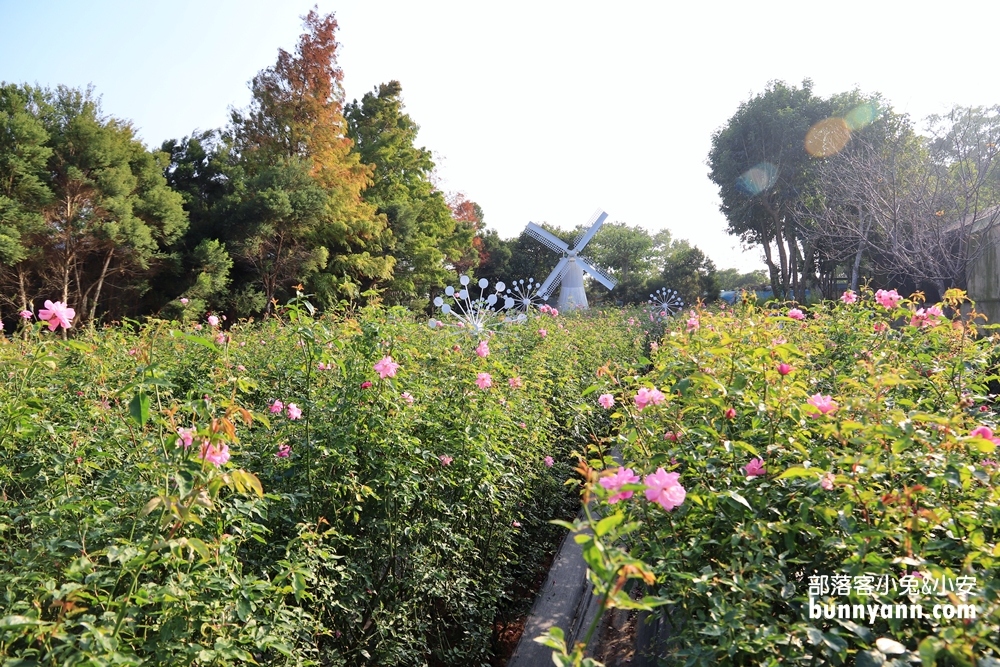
{"type": "Point", "coordinates": [689, 272]}
{"type": "Point", "coordinates": [24, 188]}
{"type": "Point", "coordinates": [734, 279]}
{"type": "Point", "coordinates": [111, 213]}
{"type": "Point", "coordinates": [627, 254]}
{"type": "Point", "coordinates": [424, 234]}
{"type": "Point", "coordinates": [760, 163]}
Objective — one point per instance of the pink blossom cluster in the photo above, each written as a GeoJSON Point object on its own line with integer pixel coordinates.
{"type": "Point", "coordinates": [56, 314]}
{"type": "Point", "coordinates": [922, 316]}
{"type": "Point", "coordinates": [823, 405]}
{"type": "Point", "coordinates": [796, 314]}
{"type": "Point", "coordinates": [292, 411]}
{"type": "Point", "coordinates": [849, 297]}
{"type": "Point", "coordinates": [483, 350]}
{"type": "Point", "coordinates": [606, 400]}
{"type": "Point", "coordinates": [755, 468]}
{"type": "Point", "coordinates": [888, 298]}
{"type": "Point", "coordinates": [661, 487]}
{"type": "Point", "coordinates": [386, 367]}
{"type": "Point", "coordinates": [986, 433]}
{"type": "Point", "coordinates": [548, 310]}
{"type": "Point", "coordinates": [693, 323]}
{"type": "Point", "coordinates": [484, 380]}
{"type": "Point", "coordinates": [647, 396]}
{"type": "Point", "coordinates": [215, 454]}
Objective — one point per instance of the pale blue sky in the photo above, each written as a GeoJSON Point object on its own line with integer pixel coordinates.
{"type": "Point", "coordinates": [538, 110]}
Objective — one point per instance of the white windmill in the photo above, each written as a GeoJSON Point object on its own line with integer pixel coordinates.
{"type": "Point", "coordinates": [569, 271]}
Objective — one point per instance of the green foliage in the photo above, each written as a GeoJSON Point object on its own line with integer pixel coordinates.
{"type": "Point", "coordinates": [760, 163]}
{"type": "Point", "coordinates": [97, 218]}
{"type": "Point", "coordinates": [890, 481]}
{"type": "Point", "coordinates": [122, 546]}
{"type": "Point", "coordinates": [424, 233]}
{"type": "Point", "coordinates": [732, 279]}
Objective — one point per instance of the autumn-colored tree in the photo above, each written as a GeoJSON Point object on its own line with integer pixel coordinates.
{"type": "Point", "coordinates": [469, 216]}
{"type": "Point", "coordinates": [295, 122]}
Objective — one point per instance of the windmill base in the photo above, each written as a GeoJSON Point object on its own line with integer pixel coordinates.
{"type": "Point", "coordinates": [572, 295]}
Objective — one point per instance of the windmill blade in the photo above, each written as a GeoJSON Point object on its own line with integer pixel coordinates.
{"type": "Point", "coordinates": [552, 241]}
{"type": "Point", "coordinates": [554, 278]}
{"type": "Point", "coordinates": [596, 221]}
{"type": "Point", "coordinates": [596, 274]}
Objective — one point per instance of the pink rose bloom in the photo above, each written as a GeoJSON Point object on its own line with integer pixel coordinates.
{"type": "Point", "coordinates": [616, 481]}
{"type": "Point", "coordinates": [483, 350]}
{"type": "Point", "coordinates": [484, 380]}
{"type": "Point", "coordinates": [25, 314]}
{"type": "Point", "coordinates": [386, 367]}
{"type": "Point", "coordinates": [214, 454]}
{"type": "Point", "coordinates": [631, 321]}
{"type": "Point", "coordinates": [730, 413]}
{"type": "Point", "coordinates": [293, 411]}
{"type": "Point", "coordinates": [406, 396]}
{"type": "Point", "coordinates": [663, 487]}
{"type": "Point", "coordinates": [57, 315]}
{"type": "Point", "coordinates": [880, 327]}
{"type": "Point", "coordinates": [213, 320]}
{"type": "Point", "coordinates": [543, 333]}
{"type": "Point", "coordinates": [606, 400]}
{"type": "Point", "coordinates": [935, 311]}
{"type": "Point", "coordinates": [220, 338]}
{"type": "Point", "coordinates": [824, 404]}
{"type": "Point", "coordinates": [647, 396]}
{"type": "Point", "coordinates": [366, 384]}
{"type": "Point", "coordinates": [283, 451]}
{"type": "Point", "coordinates": [888, 299]}
{"type": "Point", "coordinates": [672, 436]}
{"type": "Point", "coordinates": [186, 435]}
{"type": "Point", "coordinates": [277, 407]}
{"type": "Point", "coordinates": [515, 383]}
{"type": "Point", "coordinates": [553, 312]}
{"type": "Point", "coordinates": [755, 468]}
{"type": "Point", "coordinates": [784, 368]}
{"type": "Point", "coordinates": [796, 314]}
{"type": "Point", "coordinates": [445, 460]}
{"type": "Point", "coordinates": [184, 302]}
{"type": "Point", "coordinates": [693, 323]}
{"type": "Point", "coordinates": [549, 461]}
{"type": "Point", "coordinates": [984, 432]}
{"type": "Point", "coordinates": [826, 482]}
{"type": "Point", "coordinates": [515, 523]}
{"type": "Point", "coordinates": [545, 308]}
{"type": "Point", "coordinates": [848, 297]}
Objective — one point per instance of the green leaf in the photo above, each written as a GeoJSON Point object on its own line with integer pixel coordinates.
{"type": "Point", "coordinates": [608, 523]}
{"type": "Point", "coordinates": [872, 658]}
{"type": "Point", "coordinates": [740, 499]}
{"type": "Point", "coordinates": [138, 408]}
{"type": "Point", "coordinates": [928, 650]}
{"type": "Point", "coordinates": [151, 505]}
{"type": "Point", "coordinates": [793, 473]}
{"type": "Point", "coordinates": [589, 390]}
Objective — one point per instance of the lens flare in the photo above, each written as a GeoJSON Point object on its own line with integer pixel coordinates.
{"type": "Point", "coordinates": [758, 178]}
{"type": "Point", "coordinates": [827, 137]}
{"type": "Point", "coordinates": [861, 116]}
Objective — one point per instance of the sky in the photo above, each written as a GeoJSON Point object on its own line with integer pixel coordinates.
{"type": "Point", "coordinates": [537, 110]}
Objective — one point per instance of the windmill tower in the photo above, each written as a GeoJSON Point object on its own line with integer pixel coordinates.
{"type": "Point", "coordinates": [571, 267]}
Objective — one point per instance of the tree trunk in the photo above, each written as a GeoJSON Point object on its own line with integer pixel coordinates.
{"type": "Point", "coordinates": [100, 284]}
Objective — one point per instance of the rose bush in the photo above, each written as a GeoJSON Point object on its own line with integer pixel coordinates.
{"type": "Point", "coordinates": [328, 490]}
{"type": "Point", "coordinates": [853, 443]}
